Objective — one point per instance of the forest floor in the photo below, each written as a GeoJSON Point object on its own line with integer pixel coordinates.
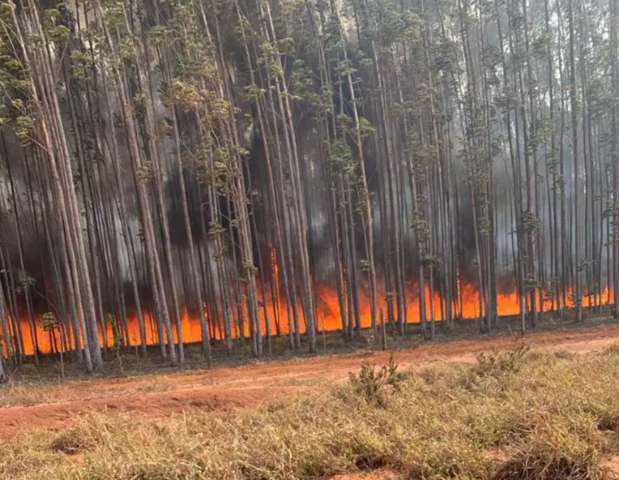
{"type": "Point", "coordinates": [28, 406]}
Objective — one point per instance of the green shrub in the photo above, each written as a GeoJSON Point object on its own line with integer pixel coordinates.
{"type": "Point", "coordinates": [375, 385]}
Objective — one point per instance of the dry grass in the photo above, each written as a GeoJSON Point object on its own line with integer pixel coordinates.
{"type": "Point", "coordinates": [26, 393]}
{"type": "Point", "coordinates": [511, 416]}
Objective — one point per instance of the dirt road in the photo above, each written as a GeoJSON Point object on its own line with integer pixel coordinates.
{"type": "Point", "coordinates": [54, 406]}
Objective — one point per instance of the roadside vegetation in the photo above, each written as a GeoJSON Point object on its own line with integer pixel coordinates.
{"type": "Point", "coordinates": [510, 415]}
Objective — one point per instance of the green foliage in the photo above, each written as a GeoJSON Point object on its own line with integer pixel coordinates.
{"type": "Point", "coordinates": [389, 22]}
{"type": "Point", "coordinates": [253, 93]}
{"type": "Point", "coordinates": [6, 11]}
{"type": "Point", "coordinates": [127, 51]}
{"type": "Point", "coordinates": [345, 68]}
{"type": "Point", "coordinates": [24, 126]}
{"type": "Point", "coordinates": [348, 126]}
{"type": "Point", "coordinates": [114, 14]}
{"type": "Point", "coordinates": [183, 95]}
{"type": "Point", "coordinates": [302, 87]}
{"type": "Point", "coordinates": [341, 159]}
{"type": "Point", "coordinates": [366, 128]}
{"type": "Point", "coordinates": [80, 64]}
{"type": "Point", "coordinates": [54, 30]}
{"type": "Point", "coordinates": [269, 58]}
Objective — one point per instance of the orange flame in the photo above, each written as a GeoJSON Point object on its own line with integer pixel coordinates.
{"type": "Point", "coordinates": [327, 313]}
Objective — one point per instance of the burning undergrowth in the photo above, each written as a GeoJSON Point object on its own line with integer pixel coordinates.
{"type": "Point", "coordinates": [275, 312]}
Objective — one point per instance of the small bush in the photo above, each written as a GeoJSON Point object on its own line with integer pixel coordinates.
{"type": "Point", "coordinates": [497, 364]}
{"type": "Point", "coordinates": [375, 385]}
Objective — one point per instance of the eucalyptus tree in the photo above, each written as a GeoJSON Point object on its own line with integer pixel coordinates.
{"type": "Point", "coordinates": [40, 79]}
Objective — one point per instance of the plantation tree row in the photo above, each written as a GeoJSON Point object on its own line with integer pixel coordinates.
{"type": "Point", "coordinates": [227, 161]}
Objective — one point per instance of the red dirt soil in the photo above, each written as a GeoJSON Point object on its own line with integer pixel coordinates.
{"type": "Point", "coordinates": [251, 385]}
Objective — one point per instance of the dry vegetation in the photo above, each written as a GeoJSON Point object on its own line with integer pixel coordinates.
{"type": "Point", "coordinates": [511, 415]}
{"type": "Point", "coordinates": [45, 390]}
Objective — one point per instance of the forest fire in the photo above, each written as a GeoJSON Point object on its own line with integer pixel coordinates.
{"type": "Point", "coordinates": [249, 180]}
{"type": "Point", "coordinates": [329, 318]}
{"type": "Point", "coordinates": [195, 196]}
